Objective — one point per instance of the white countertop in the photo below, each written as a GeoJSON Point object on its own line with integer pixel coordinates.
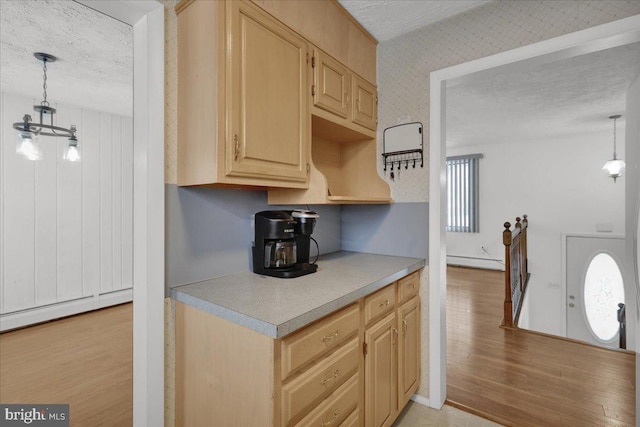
{"type": "Point", "coordinates": [277, 307]}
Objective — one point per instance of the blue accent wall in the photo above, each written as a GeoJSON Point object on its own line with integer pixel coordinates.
{"type": "Point", "coordinates": [400, 229]}
{"type": "Point", "coordinates": [208, 231]}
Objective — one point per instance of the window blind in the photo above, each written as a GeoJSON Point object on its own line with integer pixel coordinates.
{"type": "Point", "coordinates": [463, 193]}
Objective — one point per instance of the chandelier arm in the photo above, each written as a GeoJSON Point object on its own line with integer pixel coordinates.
{"type": "Point", "coordinates": [42, 129]}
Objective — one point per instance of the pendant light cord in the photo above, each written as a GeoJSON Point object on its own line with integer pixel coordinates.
{"type": "Point", "coordinates": [614, 138]}
{"type": "Point", "coordinates": [44, 102]}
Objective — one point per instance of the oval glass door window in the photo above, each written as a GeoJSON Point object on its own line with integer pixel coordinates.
{"type": "Point", "coordinates": [603, 291]}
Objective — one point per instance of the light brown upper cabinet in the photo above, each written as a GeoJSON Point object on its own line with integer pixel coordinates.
{"type": "Point", "coordinates": [343, 146]}
{"type": "Point", "coordinates": [280, 95]}
{"type": "Point", "coordinates": [243, 115]}
{"type": "Point", "coordinates": [365, 105]}
{"type": "Point", "coordinates": [327, 25]}
{"type": "Point", "coordinates": [331, 84]}
{"type": "Point", "coordinates": [340, 91]}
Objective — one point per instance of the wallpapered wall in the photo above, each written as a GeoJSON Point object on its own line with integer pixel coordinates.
{"type": "Point", "coordinates": [404, 65]}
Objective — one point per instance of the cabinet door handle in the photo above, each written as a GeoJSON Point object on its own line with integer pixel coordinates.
{"type": "Point", "coordinates": [330, 337]}
{"type": "Point", "coordinates": [332, 420]}
{"type": "Point", "coordinates": [395, 335]}
{"type": "Point", "coordinates": [333, 377]}
{"type": "Point", "coordinates": [404, 327]}
{"type": "Point", "coordinates": [384, 304]}
{"type": "Point", "coordinates": [236, 143]}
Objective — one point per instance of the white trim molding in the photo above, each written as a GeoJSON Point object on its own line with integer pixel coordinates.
{"type": "Point", "coordinates": [613, 34]}
{"type": "Point", "coordinates": [147, 19]}
{"type": "Point", "coordinates": [421, 400]}
{"type": "Point", "coordinates": [46, 313]}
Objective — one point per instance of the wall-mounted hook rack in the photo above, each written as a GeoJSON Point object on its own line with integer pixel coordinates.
{"type": "Point", "coordinates": [403, 143]}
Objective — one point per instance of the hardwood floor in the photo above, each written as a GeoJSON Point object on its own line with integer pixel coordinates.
{"type": "Point", "coordinates": [85, 361]}
{"type": "Point", "coordinates": [517, 378]}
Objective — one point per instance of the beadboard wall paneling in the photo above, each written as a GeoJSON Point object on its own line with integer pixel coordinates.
{"type": "Point", "coordinates": [66, 228]}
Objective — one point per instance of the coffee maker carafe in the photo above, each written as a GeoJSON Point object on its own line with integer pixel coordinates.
{"type": "Point", "coordinates": [281, 243]}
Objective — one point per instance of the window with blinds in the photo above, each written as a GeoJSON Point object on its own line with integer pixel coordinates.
{"type": "Point", "coordinates": [463, 193]}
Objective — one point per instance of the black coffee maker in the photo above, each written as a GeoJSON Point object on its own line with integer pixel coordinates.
{"type": "Point", "coordinates": [282, 243]}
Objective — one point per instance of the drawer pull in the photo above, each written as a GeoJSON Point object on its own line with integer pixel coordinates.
{"type": "Point", "coordinates": [330, 337]}
{"type": "Point", "coordinates": [412, 285]}
{"type": "Point", "coordinates": [332, 420]}
{"type": "Point", "coordinates": [384, 304]}
{"type": "Point", "coordinates": [333, 377]}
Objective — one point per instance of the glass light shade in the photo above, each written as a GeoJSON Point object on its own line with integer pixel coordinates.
{"type": "Point", "coordinates": [71, 151]}
{"type": "Point", "coordinates": [27, 145]}
{"type": "Point", "coordinates": [614, 168]}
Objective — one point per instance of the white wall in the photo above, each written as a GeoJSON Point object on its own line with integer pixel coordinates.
{"type": "Point", "coordinates": [66, 228]}
{"type": "Point", "coordinates": [633, 221]}
{"type": "Point", "coordinates": [559, 184]}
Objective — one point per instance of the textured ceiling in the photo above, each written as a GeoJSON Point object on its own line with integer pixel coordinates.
{"type": "Point", "coordinates": [387, 19]}
{"type": "Point", "coordinates": [95, 54]}
{"type": "Point", "coordinates": [95, 68]}
{"type": "Point", "coordinates": [569, 97]}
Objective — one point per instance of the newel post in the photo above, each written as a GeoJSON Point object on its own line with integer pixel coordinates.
{"type": "Point", "coordinates": [508, 304]}
{"type": "Point", "coordinates": [525, 226]}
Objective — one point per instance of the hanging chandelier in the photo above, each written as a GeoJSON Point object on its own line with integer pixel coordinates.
{"type": "Point", "coordinates": [614, 167]}
{"type": "Point", "coordinates": [27, 143]}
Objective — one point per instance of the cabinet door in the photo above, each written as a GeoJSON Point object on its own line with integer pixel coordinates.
{"type": "Point", "coordinates": [268, 134]}
{"type": "Point", "coordinates": [365, 103]}
{"type": "Point", "coordinates": [332, 83]}
{"type": "Point", "coordinates": [408, 350]}
{"type": "Point", "coordinates": [381, 372]}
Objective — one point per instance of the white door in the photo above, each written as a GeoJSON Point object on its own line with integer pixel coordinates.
{"type": "Point", "coordinates": [595, 287]}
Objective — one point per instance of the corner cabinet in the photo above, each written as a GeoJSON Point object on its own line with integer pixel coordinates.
{"type": "Point", "coordinates": [355, 367]}
{"type": "Point", "coordinates": [243, 117]}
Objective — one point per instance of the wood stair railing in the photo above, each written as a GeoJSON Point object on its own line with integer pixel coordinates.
{"type": "Point", "coordinates": [516, 273]}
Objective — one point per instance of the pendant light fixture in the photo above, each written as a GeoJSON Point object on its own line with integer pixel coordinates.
{"type": "Point", "coordinates": [28, 132]}
{"type": "Point", "coordinates": [614, 167]}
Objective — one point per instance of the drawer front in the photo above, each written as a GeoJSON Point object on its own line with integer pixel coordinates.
{"type": "Point", "coordinates": [321, 379]}
{"type": "Point", "coordinates": [352, 420]}
{"type": "Point", "coordinates": [380, 303]}
{"type": "Point", "coordinates": [408, 286]}
{"type": "Point", "coordinates": [335, 409]}
{"type": "Point", "coordinates": [307, 344]}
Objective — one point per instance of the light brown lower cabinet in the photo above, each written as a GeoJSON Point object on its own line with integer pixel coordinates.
{"type": "Point", "coordinates": [355, 367]}
{"type": "Point", "coordinates": [381, 362]}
